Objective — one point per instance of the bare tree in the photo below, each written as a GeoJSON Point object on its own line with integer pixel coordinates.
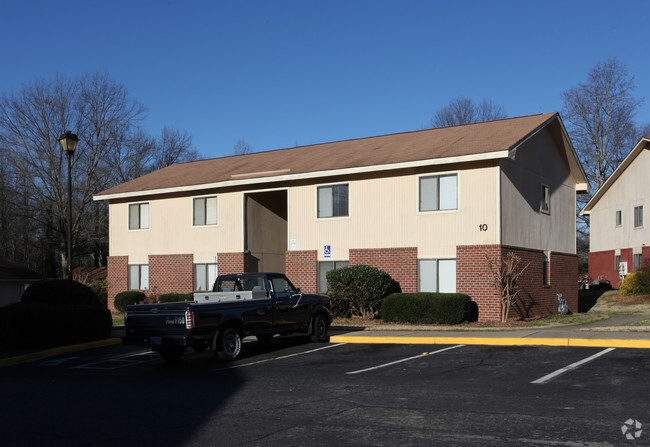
{"type": "Point", "coordinates": [599, 115]}
{"type": "Point", "coordinates": [504, 272]}
{"type": "Point", "coordinates": [241, 147]}
{"type": "Point", "coordinates": [462, 110]}
{"type": "Point", "coordinates": [33, 178]}
{"type": "Point", "coordinates": [173, 146]}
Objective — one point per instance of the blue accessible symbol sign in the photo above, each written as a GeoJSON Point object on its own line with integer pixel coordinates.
{"type": "Point", "coordinates": [327, 250]}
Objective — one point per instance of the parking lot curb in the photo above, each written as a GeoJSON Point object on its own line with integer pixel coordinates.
{"type": "Point", "coordinates": [495, 341]}
{"type": "Point", "coordinates": [35, 356]}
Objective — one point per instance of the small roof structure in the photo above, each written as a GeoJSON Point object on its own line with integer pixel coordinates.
{"type": "Point", "coordinates": [470, 142]}
{"type": "Point", "coordinates": [13, 272]}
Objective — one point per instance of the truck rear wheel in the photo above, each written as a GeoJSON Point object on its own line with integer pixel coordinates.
{"type": "Point", "coordinates": [320, 329]}
{"type": "Point", "coordinates": [230, 343]}
{"type": "Point", "coordinates": [172, 354]}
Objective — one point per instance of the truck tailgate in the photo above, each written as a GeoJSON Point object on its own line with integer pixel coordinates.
{"type": "Point", "coordinates": [156, 321]}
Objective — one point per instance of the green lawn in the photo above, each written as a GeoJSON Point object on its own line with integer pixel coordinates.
{"type": "Point", "coordinates": [118, 320]}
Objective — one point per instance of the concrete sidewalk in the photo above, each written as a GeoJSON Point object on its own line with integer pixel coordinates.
{"type": "Point", "coordinates": [606, 333]}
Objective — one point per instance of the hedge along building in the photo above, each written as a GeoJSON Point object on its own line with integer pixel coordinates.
{"type": "Point", "coordinates": [427, 207]}
{"type": "Point", "coordinates": [618, 234]}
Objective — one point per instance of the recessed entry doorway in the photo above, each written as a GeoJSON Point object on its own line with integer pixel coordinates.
{"type": "Point", "coordinates": [265, 235]}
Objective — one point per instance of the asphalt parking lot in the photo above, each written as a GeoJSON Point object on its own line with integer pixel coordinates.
{"type": "Point", "coordinates": [297, 393]}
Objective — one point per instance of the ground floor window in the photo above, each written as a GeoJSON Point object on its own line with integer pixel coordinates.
{"type": "Point", "coordinates": [637, 261]}
{"type": "Point", "coordinates": [323, 268]}
{"type": "Point", "coordinates": [204, 276]}
{"type": "Point", "coordinates": [437, 275]}
{"type": "Point", "coordinates": [139, 277]}
{"type": "Point", "coordinates": [546, 269]}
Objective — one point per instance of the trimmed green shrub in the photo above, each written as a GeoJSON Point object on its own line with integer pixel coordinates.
{"type": "Point", "coordinates": [124, 299]}
{"type": "Point", "coordinates": [100, 287]}
{"type": "Point", "coordinates": [358, 290]}
{"type": "Point", "coordinates": [60, 291]}
{"type": "Point", "coordinates": [426, 308]}
{"type": "Point", "coordinates": [637, 283]}
{"type": "Point", "coordinates": [49, 325]}
{"type": "Point", "coordinates": [175, 297]}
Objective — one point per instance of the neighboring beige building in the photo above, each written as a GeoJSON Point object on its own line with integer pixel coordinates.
{"type": "Point", "coordinates": [425, 206]}
{"type": "Point", "coordinates": [619, 227]}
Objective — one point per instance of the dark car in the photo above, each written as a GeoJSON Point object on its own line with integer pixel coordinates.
{"type": "Point", "coordinates": [601, 284]}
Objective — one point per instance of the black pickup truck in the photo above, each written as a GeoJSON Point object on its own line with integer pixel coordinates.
{"type": "Point", "coordinates": [259, 304]}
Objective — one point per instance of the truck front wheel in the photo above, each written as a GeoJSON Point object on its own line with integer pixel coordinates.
{"type": "Point", "coordinates": [230, 343]}
{"type": "Point", "coordinates": [320, 329]}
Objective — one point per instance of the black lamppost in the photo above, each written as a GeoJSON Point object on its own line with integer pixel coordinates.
{"type": "Point", "coordinates": [69, 143]}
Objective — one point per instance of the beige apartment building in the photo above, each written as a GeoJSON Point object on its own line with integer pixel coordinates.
{"type": "Point", "coordinates": [619, 232]}
{"type": "Point", "coordinates": [427, 207]}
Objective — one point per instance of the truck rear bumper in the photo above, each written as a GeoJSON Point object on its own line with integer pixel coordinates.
{"type": "Point", "coordinates": [156, 342]}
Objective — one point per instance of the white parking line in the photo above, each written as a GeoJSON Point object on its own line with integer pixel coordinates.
{"type": "Point", "coordinates": [404, 360]}
{"type": "Point", "coordinates": [277, 358]}
{"type": "Point", "coordinates": [116, 362]}
{"type": "Point", "coordinates": [572, 366]}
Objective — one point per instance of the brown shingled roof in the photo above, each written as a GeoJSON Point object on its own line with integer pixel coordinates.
{"type": "Point", "coordinates": [430, 144]}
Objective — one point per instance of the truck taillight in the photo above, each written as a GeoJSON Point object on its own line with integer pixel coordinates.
{"type": "Point", "coordinates": [189, 319]}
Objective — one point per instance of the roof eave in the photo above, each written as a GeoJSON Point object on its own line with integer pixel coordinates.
{"type": "Point", "coordinates": [629, 158]}
{"type": "Point", "coordinates": [309, 175]}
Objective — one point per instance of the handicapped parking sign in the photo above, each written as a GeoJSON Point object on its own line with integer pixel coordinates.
{"type": "Point", "coordinates": [327, 249]}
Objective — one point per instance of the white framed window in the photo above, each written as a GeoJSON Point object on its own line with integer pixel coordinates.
{"type": "Point", "coordinates": [327, 266]}
{"type": "Point", "coordinates": [545, 201]}
{"type": "Point", "coordinates": [638, 216]}
{"type": "Point", "coordinates": [438, 192]}
{"type": "Point", "coordinates": [617, 262]}
{"type": "Point", "coordinates": [619, 218]}
{"type": "Point", "coordinates": [204, 276]}
{"type": "Point", "coordinates": [333, 201]}
{"type": "Point", "coordinates": [437, 275]}
{"type": "Point", "coordinates": [138, 277]}
{"type": "Point", "coordinates": [138, 216]}
{"type": "Point", "coordinates": [205, 211]}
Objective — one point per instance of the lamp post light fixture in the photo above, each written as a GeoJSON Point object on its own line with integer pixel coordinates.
{"type": "Point", "coordinates": [69, 143]}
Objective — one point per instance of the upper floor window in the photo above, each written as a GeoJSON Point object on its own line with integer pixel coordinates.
{"type": "Point", "coordinates": [545, 203]}
{"type": "Point", "coordinates": [205, 211]}
{"type": "Point", "coordinates": [139, 277]}
{"type": "Point", "coordinates": [638, 216]}
{"type": "Point", "coordinates": [333, 201]}
{"type": "Point", "coordinates": [439, 192]}
{"type": "Point", "coordinates": [138, 216]}
{"type": "Point", "coordinates": [619, 218]}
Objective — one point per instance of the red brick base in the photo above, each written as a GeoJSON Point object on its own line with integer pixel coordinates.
{"type": "Point", "coordinates": [167, 274]}
{"type": "Point", "coordinates": [117, 278]}
{"type": "Point", "coordinates": [400, 263]}
{"type": "Point", "coordinates": [171, 274]}
{"type": "Point", "coordinates": [602, 264]}
{"type": "Point", "coordinates": [535, 298]}
{"type": "Point", "coordinates": [302, 269]}
{"type": "Point", "coordinates": [229, 263]}
{"type": "Point", "coordinates": [174, 273]}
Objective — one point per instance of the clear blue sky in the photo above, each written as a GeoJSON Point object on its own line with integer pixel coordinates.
{"type": "Point", "coordinates": [286, 73]}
